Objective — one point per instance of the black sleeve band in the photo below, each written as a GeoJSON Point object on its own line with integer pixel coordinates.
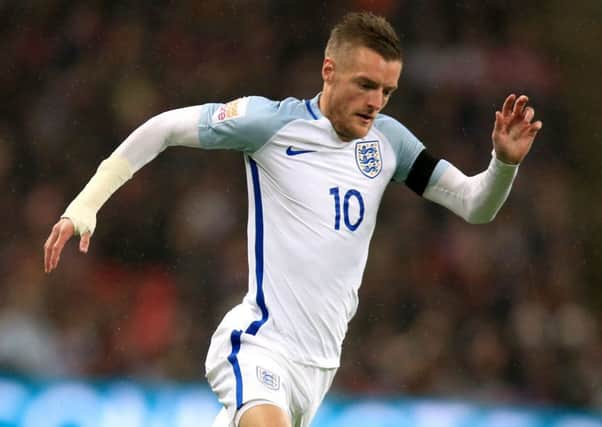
{"type": "Point", "coordinates": [421, 172]}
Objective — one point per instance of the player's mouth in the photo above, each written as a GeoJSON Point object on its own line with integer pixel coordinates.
{"type": "Point", "coordinates": [366, 119]}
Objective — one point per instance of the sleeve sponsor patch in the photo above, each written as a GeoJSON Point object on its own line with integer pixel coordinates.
{"type": "Point", "coordinates": [231, 110]}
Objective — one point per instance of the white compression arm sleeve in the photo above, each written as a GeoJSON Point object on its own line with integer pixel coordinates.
{"type": "Point", "coordinates": [175, 127]}
{"type": "Point", "coordinates": [478, 198]}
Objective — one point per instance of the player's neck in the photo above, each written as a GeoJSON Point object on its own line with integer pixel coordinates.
{"type": "Point", "coordinates": [324, 106]}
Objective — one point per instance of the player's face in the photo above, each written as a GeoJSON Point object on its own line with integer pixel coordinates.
{"type": "Point", "coordinates": [356, 88]}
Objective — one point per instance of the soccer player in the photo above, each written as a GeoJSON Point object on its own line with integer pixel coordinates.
{"type": "Point", "coordinates": [316, 171]}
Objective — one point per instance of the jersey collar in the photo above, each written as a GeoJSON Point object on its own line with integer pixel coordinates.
{"type": "Point", "coordinates": [313, 107]}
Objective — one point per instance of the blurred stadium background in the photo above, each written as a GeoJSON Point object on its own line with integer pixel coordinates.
{"type": "Point", "coordinates": [458, 325]}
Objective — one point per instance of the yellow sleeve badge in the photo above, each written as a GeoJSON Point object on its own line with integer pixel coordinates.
{"type": "Point", "coordinates": [231, 110]}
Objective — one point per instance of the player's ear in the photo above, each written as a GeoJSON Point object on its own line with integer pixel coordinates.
{"type": "Point", "coordinates": [328, 68]}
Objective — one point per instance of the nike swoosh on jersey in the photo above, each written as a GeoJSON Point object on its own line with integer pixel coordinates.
{"type": "Point", "coordinates": [290, 151]}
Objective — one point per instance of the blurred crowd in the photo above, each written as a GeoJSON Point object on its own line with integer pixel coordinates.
{"type": "Point", "coordinates": [495, 312]}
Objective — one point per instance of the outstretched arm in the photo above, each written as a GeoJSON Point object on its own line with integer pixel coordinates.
{"type": "Point", "coordinates": [478, 198]}
{"type": "Point", "coordinates": [175, 127]}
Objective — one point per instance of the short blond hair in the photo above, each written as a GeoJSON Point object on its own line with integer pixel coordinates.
{"type": "Point", "coordinates": [364, 29]}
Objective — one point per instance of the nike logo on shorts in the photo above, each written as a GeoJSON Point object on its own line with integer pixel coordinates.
{"type": "Point", "coordinates": [290, 151]}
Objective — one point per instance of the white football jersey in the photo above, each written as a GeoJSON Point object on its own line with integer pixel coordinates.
{"type": "Point", "coordinates": [313, 202]}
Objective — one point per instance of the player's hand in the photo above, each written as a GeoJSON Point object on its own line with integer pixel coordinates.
{"type": "Point", "coordinates": [60, 234]}
{"type": "Point", "coordinates": [513, 133]}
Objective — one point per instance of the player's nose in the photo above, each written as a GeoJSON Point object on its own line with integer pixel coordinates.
{"type": "Point", "coordinates": [376, 100]}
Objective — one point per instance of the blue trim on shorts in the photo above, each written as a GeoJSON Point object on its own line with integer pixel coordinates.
{"type": "Point", "coordinates": [260, 298]}
{"type": "Point", "coordinates": [233, 359]}
{"type": "Point", "coordinates": [308, 105]}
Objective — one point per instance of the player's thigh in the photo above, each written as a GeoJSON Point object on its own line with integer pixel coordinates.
{"type": "Point", "coordinates": [264, 415]}
{"type": "Point", "coordinates": [250, 376]}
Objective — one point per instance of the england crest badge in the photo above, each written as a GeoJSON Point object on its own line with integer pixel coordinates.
{"type": "Point", "coordinates": [368, 158]}
{"type": "Point", "coordinates": [268, 379]}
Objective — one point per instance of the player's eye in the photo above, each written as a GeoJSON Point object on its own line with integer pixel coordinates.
{"type": "Point", "coordinates": [366, 85]}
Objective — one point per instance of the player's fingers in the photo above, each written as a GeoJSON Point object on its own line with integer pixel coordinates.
{"type": "Point", "coordinates": [535, 127]}
{"type": "Point", "coordinates": [519, 106]}
{"type": "Point", "coordinates": [498, 125]}
{"type": "Point", "coordinates": [57, 248]}
{"type": "Point", "coordinates": [508, 103]}
{"type": "Point", "coordinates": [84, 243]}
{"type": "Point", "coordinates": [529, 114]}
{"type": "Point", "coordinates": [48, 247]}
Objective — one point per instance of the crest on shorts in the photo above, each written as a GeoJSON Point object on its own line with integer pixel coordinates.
{"type": "Point", "coordinates": [368, 158]}
{"type": "Point", "coordinates": [268, 379]}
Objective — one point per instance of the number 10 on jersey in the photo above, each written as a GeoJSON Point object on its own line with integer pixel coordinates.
{"type": "Point", "coordinates": [349, 195]}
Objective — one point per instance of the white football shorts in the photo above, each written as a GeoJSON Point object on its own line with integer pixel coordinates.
{"type": "Point", "coordinates": [243, 373]}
